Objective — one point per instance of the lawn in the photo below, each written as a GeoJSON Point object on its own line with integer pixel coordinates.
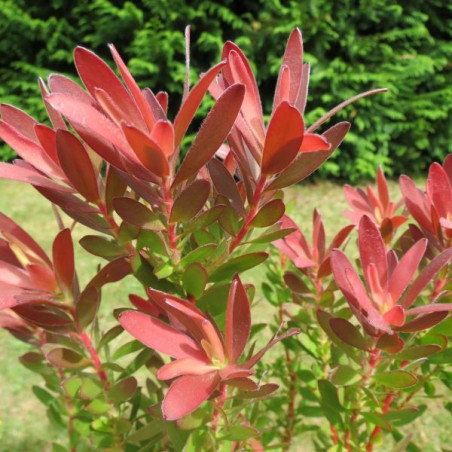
{"type": "Point", "coordinates": [24, 426]}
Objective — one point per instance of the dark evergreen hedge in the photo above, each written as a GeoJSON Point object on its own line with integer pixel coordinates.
{"type": "Point", "coordinates": [353, 45]}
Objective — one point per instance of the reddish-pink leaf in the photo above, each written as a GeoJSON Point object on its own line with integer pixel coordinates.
{"type": "Point", "coordinates": [154, 104]}
{"type": "Point", "coordinates": [238, 70]}
{"type": "Point", "coordinates": [30, 176]}
{"type": "Point", "coordinates": [160, 336]}
{"type": "Point", "coordinates": [349, 282]}
{"type": "Point", "coordinates": [433, 307]}
{"type": "Point", "coordinates": [29, 150]}
{"type": "Point", "coordinates": [427, 275]}
{"type": "Point", "coordinates": [61, 84]}
{"type": "Point", "coordinates": [213, 132]}
{"type": "Point", "coordinates": [439, 189]}
{"type": "Point", "coordinates": [43, 277]}
{"type": "Point", "coordinates": [307, 162]}
{"type": "Point", "coordinates": [96, 74]}
{"type": "Point", "coordinates": [112, 272]}
{"type": "Point", "coordinates": [19, 120]}
{"type": "Point", "coordinates": [27, 244]}
{"type": "Point", "coordinates": [372, 251]}
{"type": "Point", "coordinates": [55, 118]}
{"type": "Point", "coordinates": [47, 138]}
{"type": "Point", "coordinates": [293, 60]}
{"type": "Point", "coordinates": [395, 316]}
{"type": "Point", "coordinates": [423, 322]}
{"type": "Point", "coordinates": [192, 102]}
{"type": "Point", "coordinates": [284, 137]}
{"type": "Point", "coordinates": [312, 142]}
{"type": "Point", "coordinates": [15, 276]}
{"type": "Point", "coordinates": [63, 260]}
{"type": "Point", "coordinates": [406, 268]}
{"type": "Point", "coordinates": [163, 134]}
{"type": "Point", "coordinates": [225, 185]}
{"type": "Point", "coordinates": [147, 150]}
{"type": "Point", "coordinates": [282, 91]}
{"type": "Point", "coordinates": [187, 393]}
{"type": "Point", "coordinates": [77, 165]}
{"type": "Point", "coordinates": [134, 89]}
{"type": "Point", "coordinates": [415, 201]}
{"type": "Point", "coordinates": [147, 306]}
{"type": "Point", "coordinates": [238, 320]}
{"type": "Point", "coordinates": [184, 366]}
{"type": "Point", "coordinates": [190, 201]}
{"type": "Point", "coordinates": [382, 185]}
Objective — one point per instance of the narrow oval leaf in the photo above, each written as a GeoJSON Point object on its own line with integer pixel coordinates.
{"type": "Point", "coordinates": [194, 279]}
{"type": "Point", "coordinates": [137, 214]}
{"type": "Point", "coordinates": [398, 379]}
{"type": "Point", "coordinates": [123, 390]}
{"type": "Point", "coordinates": [418, 351]}
{"type": "Point", "coordinates": [344, 375]}
{"type": "Point", "coordinates": [283, 139]}
{"type": "Point", "coordinates": [77, 165]}
{"type": "Point", "coordinates": [213, 132]}
{"type": "Point", "coordinates": [87, 306]}
{"type": "Point", "coordinates": [348, 333]}
{"type": "Point", "coordinates": [269, 214]}
{"type": "Point", "coordinates": [190, 201]}
{"type": "Point", "coordinates": [66, 358]}
{"type": "Point", "coordinates": [237, 265]}
{"type": "Point", "coordinates": [63, 260]}
{"type": "Point", "coordinates": [103, 247]}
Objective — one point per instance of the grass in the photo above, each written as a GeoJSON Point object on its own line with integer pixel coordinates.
{"type": "Point", "coordinates": [23, 424]}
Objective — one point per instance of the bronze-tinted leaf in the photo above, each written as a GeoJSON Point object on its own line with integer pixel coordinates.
{"type": "Point", "coordinates": [348, 333]}
{"type": "Point", "coordinates": [66, 358]}
{"type": "Point", "coordinates": [77, 165]}
{"type": "Point", "coordinates": [137, 214]}
{"type": "Point", "coordinates": [283, 139]}
{"type": "Point", "coordinates": [213, 132]}
{"type": "Point", "coordinates": [63, 260]}
{"type": "Point", "coordinates": [102, 246]}
{"type": "Point", "coordinates": [269, 214]}
{"type": "Point", "coordinates": [87, 306]}
{"type": "Point", "coordinates": [190, 201]}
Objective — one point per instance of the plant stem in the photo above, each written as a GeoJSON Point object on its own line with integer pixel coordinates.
{"type": "Point", "coordinates": [377, 429]}
{"type": "Point", "coordinates": [172, 236]}
{"type": "Point", "coordinates": [94, 358]}
{"type": "Point", "coordinates": [251, 214]}
{"type": "Point", "coordinates": [221, 399]}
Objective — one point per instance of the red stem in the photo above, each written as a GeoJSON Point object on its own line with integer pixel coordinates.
{"type": "Point", "coordinates": [377, 429]}
{"type": "Point", "coordinates": [94, 357]}
{"type": "Point", "coordinates": [251, 214]}
{"type": "Point", "coordinates": [221, 399]}
{"type": "Point", "coordinates": [172, 236]}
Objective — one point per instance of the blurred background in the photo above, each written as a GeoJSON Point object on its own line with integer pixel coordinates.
{"type": "Point", "coordinates": [352, 45]}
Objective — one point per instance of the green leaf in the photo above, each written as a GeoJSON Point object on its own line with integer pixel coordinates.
{"type": "Point", "coordinates": [237, 265]}
{"type": "Point", "coordinates": [147, 432]}
{"type": "Point", "coordinates": [344, 375]}
{"type": "Point", "coordinates": [111, 334]}
{"type": "Point", "coordinates": [403, 417]}
{"type": "Point", "coordinates": [398, 379]}
{"type": "Point", "coordinates": [126, 349]}
{"type": "Point", "coordinates": [444, 357]}
{"type": "Point", "coordinates": [269, 214]}
{"type": "Point", "coordinates": [329, 396]}
{"type": "Point", "coordinates": [43, 396]}
{"type": "Point", "coordinates": [123, 390]}
{"type": "Point", "coordinates": [269, 237]}
{"type": "Point", "coordinates": [71, 386]}
{"type": "Point", "coordinates": [102, 246]}
{"type": "Point", "coordinates": [418, 351]}
{"type": "Point", "coordinates": [240, 433]}
{"type": "Point", "coordinates": [98, 406]}
{"type": "Point", "coordinates": [90, 388]}
{"type": "Point", "coordinates": [194, 280]}
{"type": "Point", "coordinates": [198, 254]}
{"type": "Point", "coordinates": [376, 419]}
{"type": "Point", "coordinates": [153, 241]}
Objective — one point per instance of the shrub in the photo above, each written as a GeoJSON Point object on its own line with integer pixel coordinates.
{"type": "Point", "coordinates": [356, 352]}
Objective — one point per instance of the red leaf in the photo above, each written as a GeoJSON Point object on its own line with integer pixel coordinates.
{"type": "Point", "coordinates": [284, 137]}
{"type": "Point", "coordinates": [15, 276]}
{"type": "Point", "coordinates": [97, 74]}
{"type": "Point", "coordinates": [147, 150]}
{"type": "Point", "coordinates": [372, 251]}
{"type": "Point", "coordinates": [312, 142]}
{"type": "Point", "coordinates": [383, 192]}
{"type": "Point", "coordinates": [427, 274]}
{"type": "Point", "coordinates": [439, 189]}
{"type": "Point", "coordinates": [192, 102]}
{"type": "Point", "coordinates": [184, 366]}
{"type": "Point", "coordinates": [307, 162]}
{"type": "Point", "coordinates": [160, 336]}
{"type": "Point", "coordinates": [349, 334]}
{"type": "Point", "coordinates": [433, 307]}
{"type": "Point", "coordinates": [406, 268]}
{"type": "Point", "coordinates": [422, 323]}
{"type": "Point", "coordinates": [134, 89]}
{"type": "Point", "coordinates": [268, 214]}
{"type": "Point", "coordinates": [19, 120]}
{"type": "Point", "coordinates": [187, 393]}
{"type": "Point", "coordinates": [63, 260]}
{"type": "Point", "coordinates": [55, 118]}
{"type": "Point", "coordinates": [77, 165]}
{"type": "Point", "coordinates": [27, 244]}
{"type": "Point", "coordinates": [395, 316]}
{"type": "Point", "coordinates": [238, 321]}
{"type": "Point", "coordinates": [112, 272]}
{"type": "Point", "coordinates": [213, 132]}
{"type": "Point", "coordinates": [390, 343]}
{"type": "Point", "coordinates": [163, 134]}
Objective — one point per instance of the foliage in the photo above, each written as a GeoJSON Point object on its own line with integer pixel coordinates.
{"type": "Point", "coordinates": [352, 47]}
{"type": "Point", "coordinates": [185, 218]}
